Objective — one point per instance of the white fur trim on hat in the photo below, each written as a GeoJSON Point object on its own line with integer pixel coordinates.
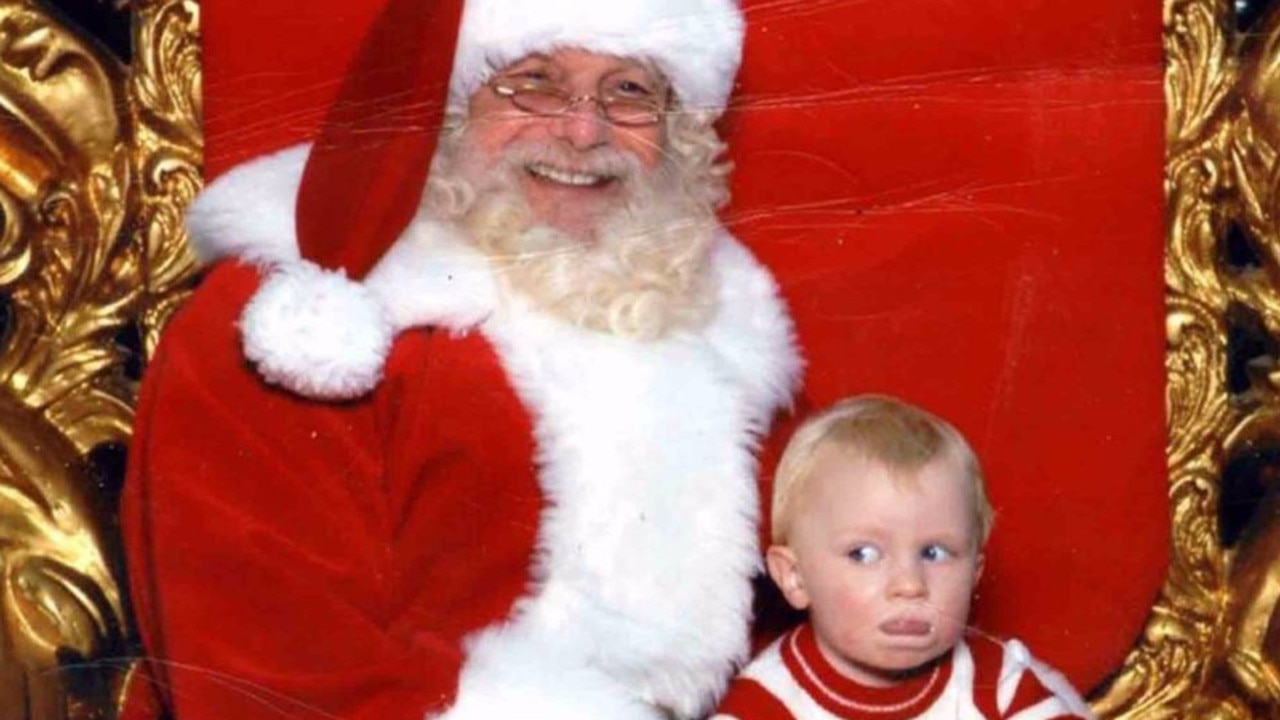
{"type": "Point", "coordinates": [249, 212]}
{"type": "Point", "coordinates": [696, 43]}
{"type": "Point", "coordinates": [316, 332]}
{"type": "Point", "coordinates": [306, 329]}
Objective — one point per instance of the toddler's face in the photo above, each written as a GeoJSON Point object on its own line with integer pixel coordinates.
{"type": "Point", "coordinates": [886, 568]}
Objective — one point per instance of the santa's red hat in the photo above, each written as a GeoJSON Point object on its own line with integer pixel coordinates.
{"type": "Point", "coordinates": [313, 327]}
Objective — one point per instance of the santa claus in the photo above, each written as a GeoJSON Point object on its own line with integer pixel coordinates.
{"type": "Point", "coordinates": [479, 445]}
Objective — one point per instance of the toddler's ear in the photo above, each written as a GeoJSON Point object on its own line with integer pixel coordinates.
{"type": "Point", "coordinates": [785, 571]}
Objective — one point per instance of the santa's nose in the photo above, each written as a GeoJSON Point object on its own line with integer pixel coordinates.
{"type": "Point", "coordinates": [584, 125]}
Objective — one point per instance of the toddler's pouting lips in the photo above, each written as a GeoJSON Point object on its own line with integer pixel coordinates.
{"type": "Point", "coordinates": [908, 626]}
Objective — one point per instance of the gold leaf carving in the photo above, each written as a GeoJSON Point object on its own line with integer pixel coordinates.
{"type": "Point", "coordinates": [1211, 648]}
{"type": "Point", "coordinates": [165, 102]}
{"type": "Point", "coordinates": [97, 160]}
{"type": "Point", "coordinates": [59, 594]}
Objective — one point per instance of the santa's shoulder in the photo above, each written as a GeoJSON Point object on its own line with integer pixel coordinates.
{"type": "Point", "coordinates": [204, 344]}
{"type": "Point", "coordinates": [752, 324]}
{"type": "Point", "coordinates": [205, 329]}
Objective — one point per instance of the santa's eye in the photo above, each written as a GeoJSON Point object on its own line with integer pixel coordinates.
{"type": "Point", "coordinates": [936, 553]}
{"type": "Point", "coordinates": [632, 89]}
{"type": "Point", "coordinates": [865, 554]}
{"type": "Point", "coordinates": [533, 77]}
{"type": "Point", "coordinates": [533, 73]}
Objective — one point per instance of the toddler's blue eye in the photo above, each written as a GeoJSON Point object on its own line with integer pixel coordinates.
{"type": "Point", "coordinates": [936, 553]}
{"type": "Point", "coordinates": [865, 554]}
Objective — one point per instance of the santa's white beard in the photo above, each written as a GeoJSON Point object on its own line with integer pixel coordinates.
{"type": "Point", "coordinates": [640, 273]}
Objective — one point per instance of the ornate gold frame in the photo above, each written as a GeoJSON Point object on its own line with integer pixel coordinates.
{"type": "Point", "coordinates": [97, 158]}
{"type": "Point", "coordinates": [1212, 647]}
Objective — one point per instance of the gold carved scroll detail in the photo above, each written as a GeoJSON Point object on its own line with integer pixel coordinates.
{"type": "Point", "coordinates": [1212, 647]}
{"type": "Point", "coordinates": [98, 155]}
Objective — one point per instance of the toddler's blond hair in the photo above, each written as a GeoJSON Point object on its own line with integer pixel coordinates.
{"type": "Point", "coordinates": [884, 430]}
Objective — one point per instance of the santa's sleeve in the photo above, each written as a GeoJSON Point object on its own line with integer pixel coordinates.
{"type": "Point", "coordinates": [258, 535]}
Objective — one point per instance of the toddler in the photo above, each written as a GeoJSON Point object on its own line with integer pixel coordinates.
{"type": "Point", "coordinates": [879, 521]}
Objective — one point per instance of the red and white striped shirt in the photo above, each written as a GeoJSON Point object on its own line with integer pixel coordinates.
{"type": "Point", "coordinates": [985, 680]}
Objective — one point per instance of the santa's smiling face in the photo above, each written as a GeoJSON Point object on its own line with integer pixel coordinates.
{"type": "Point", "coordinates": [592, 198]}
{"type": "Point", "coordinates": [573, 167]}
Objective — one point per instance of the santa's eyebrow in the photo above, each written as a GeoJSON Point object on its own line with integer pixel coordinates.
{"type": "Point", "coordinates": [531, 58]}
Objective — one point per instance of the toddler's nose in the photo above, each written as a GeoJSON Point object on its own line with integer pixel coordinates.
{"type": "Point", "coordinates": [907, 580]}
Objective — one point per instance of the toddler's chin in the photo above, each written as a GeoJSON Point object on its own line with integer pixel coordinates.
{"type": "Point", "coordinates": [902, 669]}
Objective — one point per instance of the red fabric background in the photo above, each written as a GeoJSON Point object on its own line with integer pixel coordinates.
{"type": "Point", "coordinates": [962, 201]}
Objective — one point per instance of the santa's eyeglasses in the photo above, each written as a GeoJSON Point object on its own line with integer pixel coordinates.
{"type": "Point", "coordinates": [623, 102]}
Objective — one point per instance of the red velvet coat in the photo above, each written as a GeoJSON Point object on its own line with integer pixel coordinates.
{"type": "Point", "coordinates": [293, 558]}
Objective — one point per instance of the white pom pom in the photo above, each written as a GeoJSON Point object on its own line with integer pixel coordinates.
{"type": "Point", "coordinates": [316, 332]}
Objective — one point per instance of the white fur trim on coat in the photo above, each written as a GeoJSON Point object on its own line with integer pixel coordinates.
{"type": "Point", "coordinates": [432, 276]}
{"type": "Point", "coordinates": [510, 674]}
{"type": "Point", "coordinates": [649, 539]}
{"type": "Point", "coordinates": [696, 43]}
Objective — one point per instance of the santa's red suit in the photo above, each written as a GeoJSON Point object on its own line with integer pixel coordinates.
{"type": "Point", "coordinates": [980, 679]}
{"type": "Point", "coordinates": [479, 509]}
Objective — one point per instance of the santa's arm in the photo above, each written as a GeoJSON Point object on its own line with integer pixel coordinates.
{"type": "Point", "coordinates": [259, 541]}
